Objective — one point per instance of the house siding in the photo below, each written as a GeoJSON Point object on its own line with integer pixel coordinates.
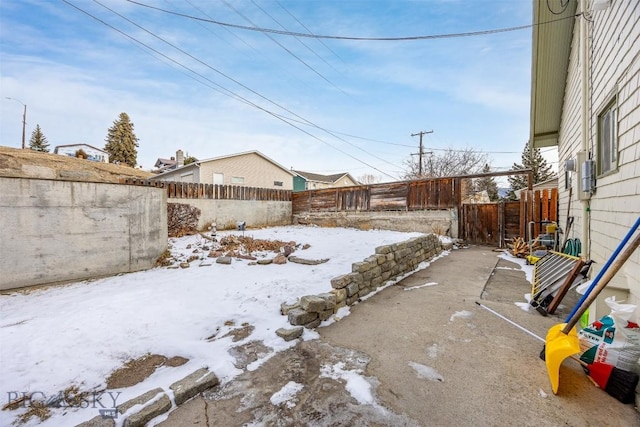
{"type": "Point", "coordinates": [344, 181]}
{"type": "Point", "coordinates": [614, 71]}
{"type": "Point", "coordinates": [570, 138]}
{"type": "Point", "coordinates": [93, 154]}
{"type": "Point", "coordinates": [256, 171]}
{"type": "Point", "coordinates": [299, 183]}
{"type": "Point", "coordinates": [188, 174]}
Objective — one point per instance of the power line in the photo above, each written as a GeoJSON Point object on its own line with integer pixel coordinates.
{"type": "Point", "coordinates": [227, 30]}
{"type": "Point", "coordinates": [543, 150]}
{"type": "Point", "coordinates": [244, 100]}
{"type": "Point", "coordinates": [317, 36]}
{"type": "Point", "coordinates": [285, 49]}
{"type": "Point", "coordinates": [280, 117]}
{"type": "Point", "coordinates": [310, 32]}
{"type": "Point", "coordinates": [233, 34]}
{"type": "Point", "coordinates": [304, 121]}
{"type": "Point", "coordinates": [297, 38]}
{"type": "Point", "coordinates": [226, 91]}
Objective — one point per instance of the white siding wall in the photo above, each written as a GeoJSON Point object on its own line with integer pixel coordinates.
{"type": "Point", "coordinates": [615, 70]}
{"type": "Point", "coordinates": [570, 139]}
{"type": "Point", "coordinates": [94, 155]}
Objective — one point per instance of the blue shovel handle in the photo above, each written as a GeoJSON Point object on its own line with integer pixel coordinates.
{"type": "Point", "coordinates": [604, 269]}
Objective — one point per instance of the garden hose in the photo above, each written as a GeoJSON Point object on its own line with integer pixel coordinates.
{"type": "Point", "coordinates": [572, 247]}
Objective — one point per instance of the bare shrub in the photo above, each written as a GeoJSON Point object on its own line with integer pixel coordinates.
{"type": "Point", "coordinates": [439, 228]}
{"type": "Point", "coordinates": [182, 219]}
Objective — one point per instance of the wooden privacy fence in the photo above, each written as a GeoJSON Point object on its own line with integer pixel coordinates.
{"type": "Point", "coordinates": [425, 194]}
{"type": "Point", "coordinates": [485, 223]}
{"type": "Point", "coordinates": [189, 190]}
{"type": "Point", "coordinates": [537, 206]}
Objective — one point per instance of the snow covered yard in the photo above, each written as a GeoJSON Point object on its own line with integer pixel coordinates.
{"type": "Point", "coordinates": [77, 334]}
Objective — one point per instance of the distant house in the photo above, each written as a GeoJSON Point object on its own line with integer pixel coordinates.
{"type": "Point", "coordinates": [312, 181]}
{"type": "Point", "coordinates": [250, 169]}
{"type": "Point", "coordinates": [165, 164]}
{"type": "Point", "coordinates": [477, 197]}
{"type": "Point", "coordinates": [94, 154]}
{"type": "Point", "coordinates": [584, 100]}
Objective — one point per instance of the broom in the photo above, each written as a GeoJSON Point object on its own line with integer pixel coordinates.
{"type": "Point", "coordinates": [616, 382]}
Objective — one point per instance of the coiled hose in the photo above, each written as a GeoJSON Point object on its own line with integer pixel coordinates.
{"type": "Point", "coordinates": [572, 247]}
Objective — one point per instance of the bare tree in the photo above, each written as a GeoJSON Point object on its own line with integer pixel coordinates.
{"type": "Point", "coordinates": [369, 179]}
{"type": "Point", "coordinates": [449, 162]}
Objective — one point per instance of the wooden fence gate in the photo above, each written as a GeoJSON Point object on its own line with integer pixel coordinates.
{"type": "Point", "coordinates": [481, 223]}
{"type": "Point", "coordinates": [495, 223]}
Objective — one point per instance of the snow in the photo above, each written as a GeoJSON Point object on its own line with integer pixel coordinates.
{"type": "Point", "coordinates": [528, 272]}
{"type": "Point", "coordinates": [426, 372]}
{"type": "Point", "coordinates": [528, 269]}
{"type": "Point", "coordinates": [420, 286]}
{"type": "Point", "coordinates": [357, 386]}
{"type": "Point", "coordinates": [77, 334]}
{"type": "Point", "coordinates": [287, 394]}
{"type": "Point", "coordinates": [464, 314]}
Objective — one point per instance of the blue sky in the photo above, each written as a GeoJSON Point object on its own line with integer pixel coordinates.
{"type": "Point", "coordinates": [351, 105]}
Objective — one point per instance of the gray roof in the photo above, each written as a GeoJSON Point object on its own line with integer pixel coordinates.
{"type": "Point", "coordinates": [321, 178]}
{"type": "Point", "coordinates": [165, 162]}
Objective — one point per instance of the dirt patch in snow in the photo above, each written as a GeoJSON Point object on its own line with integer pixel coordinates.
{"type": "Point", "coordinates": [137, 370]}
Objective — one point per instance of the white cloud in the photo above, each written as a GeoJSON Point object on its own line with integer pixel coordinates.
{"type": "Point", "coordinates": [76, 75]}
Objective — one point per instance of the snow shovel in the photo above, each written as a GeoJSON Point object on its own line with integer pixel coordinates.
{"type": "Point", "coordinates": [562, 339]}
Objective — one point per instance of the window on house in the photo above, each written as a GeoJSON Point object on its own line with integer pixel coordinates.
{"type": "Point", "coordinates": [278, 183]}
{"type": "Point", "coordinates": [237, 180]}
{"type": "Point", "coordinates": [218, 178]}
{"type": "Point", "coordinates": [608, 139]}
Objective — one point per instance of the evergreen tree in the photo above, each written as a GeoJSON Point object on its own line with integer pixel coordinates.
{"type": "Point", "coordinates": [189, 159]}
{"type": "Point", "coordinates": [122, 142]}
{"type": "Point", "coordinates": [531, 159]}
{"type": "Point", "coordinates": [38, 141]}
{"type": "Point", "coordinates": [488, 184]}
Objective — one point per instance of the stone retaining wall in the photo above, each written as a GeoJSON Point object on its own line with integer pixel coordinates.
{"type": "Point", "coordinates": [388, 263]}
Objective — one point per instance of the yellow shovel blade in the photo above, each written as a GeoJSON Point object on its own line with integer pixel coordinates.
{"type": "Point", "coordinates": [558, 347]}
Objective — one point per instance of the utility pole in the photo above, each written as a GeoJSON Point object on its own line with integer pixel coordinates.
{"type": "Point", "coordinates": [421, 151]}
{"type": "Point", "coordinates": [24, 118]}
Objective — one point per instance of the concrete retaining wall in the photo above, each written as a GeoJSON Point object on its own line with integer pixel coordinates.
{"type": "Point", "coordinates": [57, 231]}
{"type": "Point", "coordinates": [388, 263]}
{"type": "Point", "coordinates": [226, 213]}
{"type": "Point", "coordinates": [444, 222]}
